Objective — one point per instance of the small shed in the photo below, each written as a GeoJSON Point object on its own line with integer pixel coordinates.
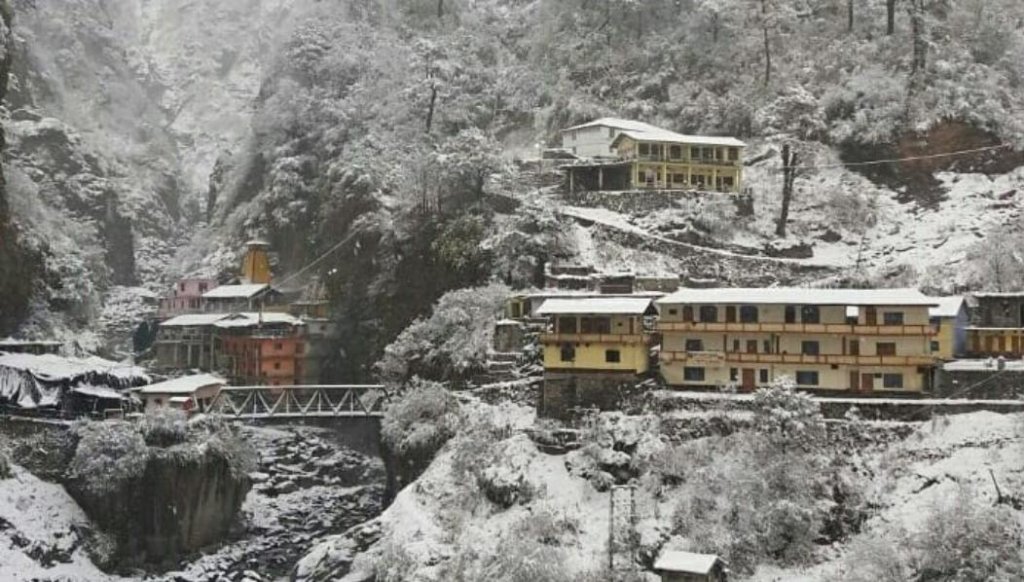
{"type": "Point", "coordinates": [680, 566]}
{"type": "Point", "coordinates": [187, 393]}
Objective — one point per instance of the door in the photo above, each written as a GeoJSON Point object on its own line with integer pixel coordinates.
{"type": "Point", "coordinates": [1016, 344]}
{"type": "Point", "coordinates": [854, 347]}
{"type": "Point", "coordinates": [854, 380]}
{"type": "Point", "coordinates": [867, 382]}
{"type": "Point", "coordinates": [730, 314]}
{"type": "Point", "coordinates": [870, 316]}
{"type": "Point", "coordinates": [990, 344]}
{"type": "Point", "coordinates": [1002, 344]}
{"type": "Point", "coordinates": [748, 380]}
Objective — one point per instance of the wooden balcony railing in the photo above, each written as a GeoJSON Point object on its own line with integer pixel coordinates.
{"type": "Point", "coordinates": [595, 338]}
{"type": "Point", "coordinates": [796, 328]}
{"type": "Point", "coordinates": [718, 358]}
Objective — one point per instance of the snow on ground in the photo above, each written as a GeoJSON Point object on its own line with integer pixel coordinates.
{"type": "Point", "coordinates": [42, 532]}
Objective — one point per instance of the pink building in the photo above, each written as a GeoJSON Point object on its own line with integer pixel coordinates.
{"type": "Point", "coordinates": [186, 297]}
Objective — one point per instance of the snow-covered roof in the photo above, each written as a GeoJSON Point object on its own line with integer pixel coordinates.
{"type": "Point", "coordinates": [235, 291]}
{"type": "Point", "coordinates": [666, 136]}
{"type": "Point", "coordinates": [249, 319]}
{"type": "Point", "coordinates": [947, 306]}
{"type": "Point", "coordinates": [800, 296]}
{"type": "Point", "coordinates": [981, 365]}
{"type": "Point", "coordinates": [641, 131]}
{"type": "Point", "coordinates": [99, 392]}
{"type": "Point", "coordinates": [193, 319]}
{"type": "Point", "coordinates": [689, 562]}
{"type": "Point", "coordinates": [183, 385]}
{"type": "Point", "coordinates": [616, 123]}
{"type": "Point", "coordinates": [54, 367]}
{"type": "Point", "coordinates": [20, 342]}
{"type": "Point", "coordinates": [1006, 294]}
{"type": "Point", "coordinates": [596, 305]}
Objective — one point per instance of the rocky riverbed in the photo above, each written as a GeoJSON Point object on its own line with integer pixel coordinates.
{"type": "Point", "coordinates": [307, 487]}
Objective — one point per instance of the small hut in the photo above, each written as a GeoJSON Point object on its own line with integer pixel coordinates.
{"type": "Point", "coordinates": [680, 566]}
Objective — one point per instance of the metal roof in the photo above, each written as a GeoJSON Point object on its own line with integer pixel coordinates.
{"type": "Point", "coordinates": [235, 291]}
{"type": "Point", "coordinates": [688, 562]}
{"type": "Point", "coordinates": [193, 319]}
{"type": "Point", "coordinates": [183, 385]}
{"type": "Point", "coordinates": [947, 306]}
{"type": "Point", "coordinates": [596, 305]}
{"type": "Point", "coordinates": [249, 319]}
{"type": "Point", "coordinates": [641, 131]}
{"type": "Point", "coordinates": [799, 296]}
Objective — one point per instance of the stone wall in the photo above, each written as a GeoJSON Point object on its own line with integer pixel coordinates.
{"type": "Point", "coordinates": [563, 393]}
{"type": "Point", "coordinates": [991, 383]}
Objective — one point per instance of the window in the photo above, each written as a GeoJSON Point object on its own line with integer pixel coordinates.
{"type": "Point", "coordinates": [694, 153]}
{"type": "Point", "coordinates": [892, 380]}
{"type": "Point", "coordinates": [708, 313]}
{"type": "Point", "coordinates": [728, 182]}
{"type": "Point", "coordinates": [694, 345]}
{"type": "Point", "coordinates": [181, 286]}
{"type": "Point", "coordinates": [277, 365]}
{"type": "Point", "coordinates": [892, 318]}
{"type": "Point", "coordinates": [679, 178]}
{"type": "Point", "coordinates": [751, 346]}
{"type": "Point", "coordinates": [675, 152]}
{"type": "Point", "coordinates": [730, 314]}
{"type": "Point", "coordinates": [568, 353]}
{"type": "Point", "coordinates": [566, 325]}
{"type": "Point", "coordinates": [687, 313]}
{"type": "Point", "coordinates": [935, 346]}
{"type": "Point", "coordinates": [693, 374]}
{"type": "Point", "coordinates": [885, 349]}
{"type": "Point", "coordinates": [806, 378]}
{"type": "Point", "coordinates": [612, 356]}
{"type": "Point", "coordinates": [762, 375]}
{"type": "Point", "coordinates": [810, 314]}
{"type": "Point", "coordinates": [748, 314]}
{"type": "Point", "coordinates": [734, 374]}
{"type": "Point", "coordinates": [278, 346]}
{"type": "Point", "coordinates": [202, 287]}
{"type": "Point", "coordinates": [790, 314]}
{"type": "Point", "coordinates": [734, 154]}
{"type": "Point", "coordinates": [809, 347]}
{"type": "Point", "coordinates": [611, 132]}
{"type": "Point", "coordinates": [673, 311]}
{"type": "Point", "coordinates": [735, 345]}
{"type": "Point", "coordinates": [595, 325]}
{"type": "Point", "coordinates": [767, 346]}
{"type": "Point", "coordinates": [644, 149]}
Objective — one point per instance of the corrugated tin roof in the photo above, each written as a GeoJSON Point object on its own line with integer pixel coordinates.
{"type": "Point", "coordinates": [666, 136]}
{"type": "Point", "coordinates": [249, 319]}
{"type": "Point", "coordinates": [799, 296]}
{"type": "Point", "coordinates": [183, 385]}
{"type": "Point", "coordinates": [947, 306]}
{"type": "Point", "coordinates": [235, 291]}
{"type": "Point", "coordinates": [689, 562]}
{"type": "Point", "coordinates": [595, 305]}
{"type": "Point", "coordinates": [194, 319]}
{"type": "Point", "coordinates": [646, 132]}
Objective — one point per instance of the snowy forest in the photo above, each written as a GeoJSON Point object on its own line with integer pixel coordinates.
{"type": "Point", "coordinates": [390, 152]}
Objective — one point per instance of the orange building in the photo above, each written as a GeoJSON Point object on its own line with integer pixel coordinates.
{"type": "Point", "coordinates": [262, 349]}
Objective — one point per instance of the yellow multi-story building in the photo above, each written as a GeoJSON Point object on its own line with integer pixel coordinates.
{"type": "Point", "coordinates": [592, 346]}
{"type": "Point", "coordinates": [631, 155]}
{"type": "Point", "coordinates": [857, 340]}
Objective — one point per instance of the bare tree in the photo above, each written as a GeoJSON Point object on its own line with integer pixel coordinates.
{"type": "Point", "coordinates": [849, 15]}
{"type": "Point", "coordinates": [788, 174]}
{"type": "Point", "coordinates": [890, 17]}
{"type": "Point", "coordinates": [767, 44]}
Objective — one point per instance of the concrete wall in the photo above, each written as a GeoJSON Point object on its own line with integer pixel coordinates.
{"type": "Point", "coordinates": [593, 356]}
{"type": "Point", "coordinates": [590, 142]}
{"type": "Point", "coordinates": [563, 392]}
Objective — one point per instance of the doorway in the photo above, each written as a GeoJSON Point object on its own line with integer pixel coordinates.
{"type": "Point", "coordinates": [748, 380]}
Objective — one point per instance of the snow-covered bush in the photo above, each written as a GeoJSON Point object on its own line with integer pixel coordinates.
{"type": "Point", "coordinates": [788, 418]}
{"type": "Point", "coordinates": [109, 454]}
{"type": "Point", "coordinates": [531, 550]}
{"type": "Point", "coordinates": [418, 424]}
{"type": "Point", "coordinates": [450, 344]}
{"type": "Point", "coordinates": [164, 427]}
{"type": "Point", "coordinates": [225, 440]}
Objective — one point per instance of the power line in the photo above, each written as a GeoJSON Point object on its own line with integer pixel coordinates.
{"type": "Point", "coordinates": [315, 261]}
{"type": "Point", "coordinates": [894, 160]}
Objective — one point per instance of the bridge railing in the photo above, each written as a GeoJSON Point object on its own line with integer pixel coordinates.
{"type": "Point", "coordinates": [299, 401]}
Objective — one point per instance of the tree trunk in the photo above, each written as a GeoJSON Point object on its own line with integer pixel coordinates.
{"type": "Point", "coordinates": [890, 17]}
{"type": "Point", "coordinates": [440, 9]}
{"type": "Point", "coordinates": [849, 15]}
{"type": "Point", "coordinates": [919, 35]}
{"type": "Point", "coordinates": [430, 109]}
{"type": "Point", "coordinates": [767, 45]}
{"type": "Point", "coordinates": [788, 173]}
{"type": "Point", "coordinates": [714, 28]}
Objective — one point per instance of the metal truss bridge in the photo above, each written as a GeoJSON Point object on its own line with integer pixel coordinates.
{"type": "Point", "coordinates": [315, 401]}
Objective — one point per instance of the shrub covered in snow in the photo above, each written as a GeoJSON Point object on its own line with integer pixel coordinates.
{"type": "Point", "coordinates": [223, 439]}
{"type": "Point", "coordinates": [109, 454]}
{"type": "Point", "coordinates": [449, 345]}
{"type": "Point", "coordinates": [418, 424]}
{"type": "Point", "coordinates": [164, 427]}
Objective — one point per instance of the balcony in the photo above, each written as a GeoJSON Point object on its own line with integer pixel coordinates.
{"type": "Point", "coordinates": [798, 328]}
{"type": "Point", "coordinates": [720, 358]}
{"type": "Point", "coordinates": [595, 338]}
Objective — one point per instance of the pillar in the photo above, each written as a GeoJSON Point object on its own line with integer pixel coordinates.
{"type": "Point", "coordinates": [600, 178]}
{"type": "Point", "coordinates": [572, 185]}
{"type": "Point", "coordinates": [664, 175]}
{"type": "Point", "coordinates": [714, 179]}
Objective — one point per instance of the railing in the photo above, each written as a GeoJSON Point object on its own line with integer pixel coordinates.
{"type": "Point", "coordinates": [807, 328]}
{"type": "Point", "coordinates": [299, 401]}
{"type": "Point", "coordinates": [710, 358]}
{"type": "Point", "coordinates": [595, 338]}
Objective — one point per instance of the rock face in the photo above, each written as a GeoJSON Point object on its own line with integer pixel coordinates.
{"type": "Point", "coordinates": [181, 503]}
